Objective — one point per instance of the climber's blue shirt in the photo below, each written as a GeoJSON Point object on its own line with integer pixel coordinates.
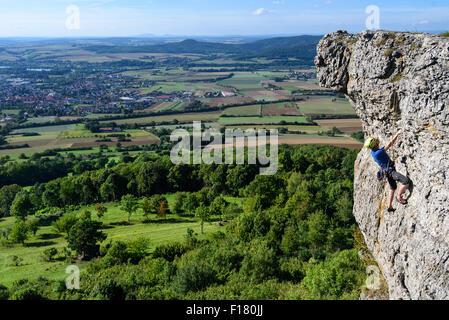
{"type": "Point", "coordinates": [381, 157]}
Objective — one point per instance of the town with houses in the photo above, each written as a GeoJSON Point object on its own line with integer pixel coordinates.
{"type": "Point", "coordinates": [98, 95]}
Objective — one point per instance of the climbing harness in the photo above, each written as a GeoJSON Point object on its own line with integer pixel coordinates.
{"type": "Point", "coordinates": [383, 172]}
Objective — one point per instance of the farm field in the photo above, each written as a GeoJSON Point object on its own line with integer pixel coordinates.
{"type": "Point", "coordinates": [326, 105]}
{"type": "Point", "coordinates": [251, 110]}
{"type": "Point", "coordinates": [20, 138]}
{"type": "Point", "coordinates": [184, 117]}
{"type": "Point", "coordinates": [158, 231]}
{"type": "Point", "coordinates": [49, 129]}
{"type": "Point", "coordinates": [308, 139]}
{"type": "Point", "coordinates": [281, 109]}
{"type": "Point", "coordinates": [137, 141]}
{"type": "Point", "coordinates": [110, 153]}
{"type": "Point", "coordinates": [41, 119]}
{"type": "Point", "coordinates": [74, 139]}
{"type": "Point", "coordinates": [83, 133]}
{"type": "Point", "coordinates": [292, 128]}
{"type": "Point", "coordinates": [299, 84]}
{"type": "Point", "coordinates": [263, 94]}
{"type": "Point", "coordinates": [37, 145]}
{"type": "Point", "coordinates": [165, 106]}
{"type": "Point", "coordinates": [242, 84]}
{"type": "Point", "coordinates": [11, 111]}
{"type": "Point", "coordinates": [257, 120]}
{"type": "Point", "coordinates": [217, 102]}
{"type": "Point", "coordinates": [347, 126]}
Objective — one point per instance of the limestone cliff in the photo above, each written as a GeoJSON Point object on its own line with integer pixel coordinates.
{"type": "Point", "coordinates": [398, 81]}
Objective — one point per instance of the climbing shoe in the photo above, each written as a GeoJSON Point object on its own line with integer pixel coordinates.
{"type": "Point", "coordinates": [391, 209]}
{"type": "Point", "coordinates": [401, 201]}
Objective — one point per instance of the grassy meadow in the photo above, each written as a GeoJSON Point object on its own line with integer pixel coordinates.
{"type": "Point", "coordinates": [116, 227]}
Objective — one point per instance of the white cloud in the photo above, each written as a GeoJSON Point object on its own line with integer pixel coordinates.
{"type": "Point", "coordinates": [260, 11]}
{"type": "Point", "coordinates": [424, 22]}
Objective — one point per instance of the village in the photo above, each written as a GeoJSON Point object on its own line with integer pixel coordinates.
{"type": "Point", "coordinates": [73, 95]}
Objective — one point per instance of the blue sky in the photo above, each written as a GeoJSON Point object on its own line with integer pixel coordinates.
{"type": "Point", "coordinates": [48, 18]}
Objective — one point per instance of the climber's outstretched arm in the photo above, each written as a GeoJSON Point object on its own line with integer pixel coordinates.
{"type": "Point", "coordinates": [388, 146]}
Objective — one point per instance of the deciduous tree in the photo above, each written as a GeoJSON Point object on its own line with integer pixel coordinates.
{"type": "Point", "coordinates": [129, 204]}
{"type": "Point", "coordinates": [84, 236]}
{"type": "Point", "coordinates": [100, 210]}
{"type": "Point", "coordinates": [21, 206]}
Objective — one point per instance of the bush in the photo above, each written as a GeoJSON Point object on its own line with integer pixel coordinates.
{"type": "Point", "coordinates": [19, 232]}
{"type": "Point", "coordinates": [226, 260]}
{"type": "Point", "coordinates": [251, 225]}
{"type": "Point", "coordinates": [178, 203]}
{"type": "Point", "coordinates": [48, 255]}
{"type": "Point", "coordinates": [318, 224]}
{"type": "Point", "coordinates": [4, 294]}
{"type": "Point", "coordinates": [26, 293]}
{"type": "Point", "coordinates": [267, 290]}
{"type": "Point", "coordinates": [193, 277]}
{"type": "Point", "coordinates": [169, 251]}
{"type": "Point", "coordinates": [16, 261]}
{"type": "Point", "coordinates": [108, 289]}
{"type": "Point", "coordinates": [33, 225]}
{"type": "Point", "coordinates": [339, 277]}
{"type": "Point", "coordinates": [4, 233]}
{"type": "Point", "coordinates": [64, 223]}
{"type": "Point", "coordinates": [138, 249]}
{"type": "Point", "coordinates": [293, 269]}
{"type": "Point", "coordinates": [260, 263]}
{"type": "Point", "coordinates": [359, 136]}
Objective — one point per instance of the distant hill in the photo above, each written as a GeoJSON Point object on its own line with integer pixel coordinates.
{"type": "Point", "coordinates": [301, 47]}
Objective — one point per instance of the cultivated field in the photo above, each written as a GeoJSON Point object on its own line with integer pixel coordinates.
{"type": "Point", "coordinates": [184, 117]}
{"type": "Point", "coordinates": [326, 105]}
{"type": "Point", "coordinates": [252, 110]}
{"type": "Point", "coordinates": [300, 139]}
{"type": "Point", "coordinates": [281, 109]}
{"type": "Point", "coordinates": [297, 84]}
{"type": "Point", "coordinates": [217, 102]}
{"type": "Point", "coordinates": [75, 134]}
{"type": "Point", "coordinates": [74, 138]}
{"type": "Point", "coordinates": [257, 120]}
{"type": "Point", "coordinates": [347, 126]}
{"type": "Point", "coordinates": [290, 128]}
{"type": "Point", "coordinates": [49, 129]}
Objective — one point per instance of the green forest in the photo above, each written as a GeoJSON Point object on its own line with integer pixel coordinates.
{"type": "Point", "coordinates": [291, 235]}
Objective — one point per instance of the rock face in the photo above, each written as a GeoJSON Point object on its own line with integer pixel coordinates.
{"type": "Point", "coordinates": [398, 81]}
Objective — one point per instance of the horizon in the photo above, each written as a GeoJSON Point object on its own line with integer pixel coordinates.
{"type": "Point", "coordinates": [145, 18]}
{"type": "Point", "coordinates": [191, 36]}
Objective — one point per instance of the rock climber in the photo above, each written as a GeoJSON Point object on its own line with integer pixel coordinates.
{"type": "Point", "coordinates": [388, 169]}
